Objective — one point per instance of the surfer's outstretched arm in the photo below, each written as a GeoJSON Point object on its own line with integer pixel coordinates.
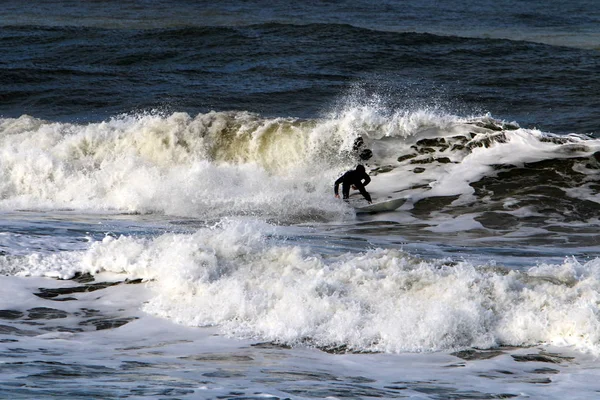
{"type": "Point", "coordinates": [337, 185]}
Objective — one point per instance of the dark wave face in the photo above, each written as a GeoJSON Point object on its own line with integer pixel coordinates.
{"type": "Point", "coordinates": [554, 191]}
{"type": "Point", "coordinates": [66, 68]}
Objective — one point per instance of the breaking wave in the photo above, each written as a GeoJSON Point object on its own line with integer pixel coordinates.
{"type": "Point", "coordinates": [237, 163]}
{"type": "Point", "coordinates": [238, 276]}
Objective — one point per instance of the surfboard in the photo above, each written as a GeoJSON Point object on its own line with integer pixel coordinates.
{"type": "Point", "coordinates": [382, 206]}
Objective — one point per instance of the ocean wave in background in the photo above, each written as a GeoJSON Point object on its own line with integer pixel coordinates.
{"type": "Point", "coordinates": [554, 22]}
{"type": "Point", "coordinates": [89, 74]}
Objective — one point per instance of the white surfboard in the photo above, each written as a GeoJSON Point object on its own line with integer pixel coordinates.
{"type": "Point", "coordinates": [382, 206]}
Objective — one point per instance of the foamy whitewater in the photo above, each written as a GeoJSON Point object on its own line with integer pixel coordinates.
{"type": "Point", "coordinates": [177, 228]}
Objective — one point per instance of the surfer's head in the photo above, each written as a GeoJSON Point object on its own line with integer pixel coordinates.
{"type": "Point", "coordinates": [360, 168]}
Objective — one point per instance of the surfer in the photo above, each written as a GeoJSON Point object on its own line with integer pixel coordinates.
{"type": "Point", "coordinates": [354, 178]}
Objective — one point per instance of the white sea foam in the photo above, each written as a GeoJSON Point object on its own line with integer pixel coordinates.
{"type": "Point", "coordinates": [234, 277]}
{"type": "Point", "coordinates": [211, 165]}
{"type": "Point", "coordinates": [461, 223]}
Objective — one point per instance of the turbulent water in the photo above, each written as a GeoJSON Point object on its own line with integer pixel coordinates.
{"type": "Point", "coordinates": [169, 227]}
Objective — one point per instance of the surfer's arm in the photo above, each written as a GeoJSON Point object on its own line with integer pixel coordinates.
{"type": "Point", "coordinates": [363, 191]}
{"type": "Point", "coordinates": [336, 186]}
{"type": "Point", "coordinates": [365, 194]}
{"type": "Point", "coordinates": [367, 179]}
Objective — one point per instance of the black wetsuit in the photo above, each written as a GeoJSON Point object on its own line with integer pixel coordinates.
{"type": "Point", "coordinates": [353, 177]}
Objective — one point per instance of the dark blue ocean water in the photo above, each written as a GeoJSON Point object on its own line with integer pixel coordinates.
{"type": "Point", "coordinates": [533, 62]}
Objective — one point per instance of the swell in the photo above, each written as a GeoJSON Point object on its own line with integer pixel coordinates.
{"type": "Point", "coordinates": [287, 70]}
{"type": "Point", "coordinates": [250, 33]}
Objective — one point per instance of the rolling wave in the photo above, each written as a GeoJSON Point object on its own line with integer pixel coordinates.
{"type": "Point", "coordinates": [238, 277]}
{"type": "Point", "coordinates": [242, 162]}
